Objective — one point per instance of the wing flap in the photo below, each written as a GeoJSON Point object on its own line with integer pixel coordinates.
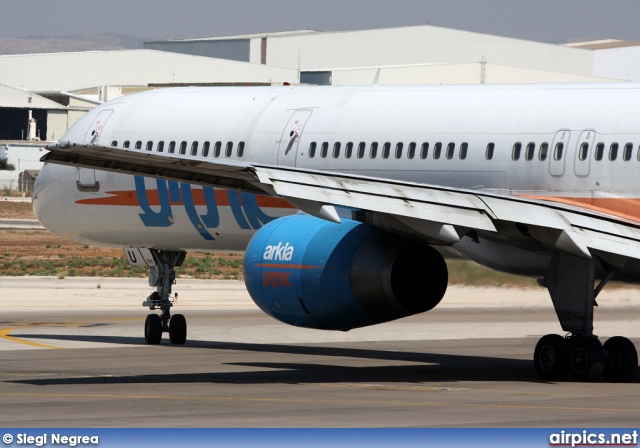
{"type": "Point", "coordinates": [556, 225]}
{"type": "Point", "coordinates": [401, 200]}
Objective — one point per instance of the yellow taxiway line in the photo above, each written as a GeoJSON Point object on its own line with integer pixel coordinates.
{"type": "Point", "coordinates": [4, 334]}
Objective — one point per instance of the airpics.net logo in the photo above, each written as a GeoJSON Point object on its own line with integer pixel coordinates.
{"type": "Point", "coordinates": [587, 438]}
{"type": "Point", "coordinates": [53, 439]}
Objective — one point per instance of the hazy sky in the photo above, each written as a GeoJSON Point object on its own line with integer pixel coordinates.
{"type": "Point", "coordinates": [540, 20]}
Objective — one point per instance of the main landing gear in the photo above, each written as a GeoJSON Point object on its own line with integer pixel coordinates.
{"type": "Point", "coordinates": [163, 276]}
{"type": "Point", "coordinates": [580, 355]}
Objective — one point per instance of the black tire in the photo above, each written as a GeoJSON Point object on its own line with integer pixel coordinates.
{"type": "Point", "coordinates": [178, 329]}
{"type": "Point", "coordinates": [550, 357]}
{"type": "Point", "coordinates": [153, 329]}
{"type": "Point", "coordinates": [622, 360]}
{"type": "Point", "coordinates": [586, 359]}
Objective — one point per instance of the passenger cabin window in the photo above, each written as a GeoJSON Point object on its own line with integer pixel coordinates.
{"type": "Point", "coordinates": [515, 154]}
{"type": "Point", "coordinates": [138, 144]}
{"type": "Point", "coordinates": [183, 147]}
{"type": "Point", "coordinates": [437, 150]}
{"type": "Point", "coordinates": [160, 147]}
{"type": "Point", "coordinates": [216, 149]}
{"type": "Point", "coordinates": [172, 147]}
{"type": "Point", "coordinates": [489, 152]}
{"type": "Point", "coordinates": [205, 149]}
{"type": "Point", "coordinates": [373, 150]}
{"type": "Point", "coordinates": [584, 151]}
{"type": "Point", "coordinates": [557, 152]}
{"type": "Point", "coordinates": [411, 151]}
{"type": "Point", "coordinates": [194, 148]}
{"type": "Point", "coordinates": [613, 151]}
{"type": "Point", "coordinates": [399, 148]}
{"type": "Point", "coordinates": [240, 150]}
{"type": "Point", "coordinates": [530, 151]}
{"type": "Point", "coordinates": [114, 143]}
{"type": "Point", "coordinates": [628, 150]}
{"type": "Point", "coordinates": [149, 146]}
{"type": "Point", "coordinates": [228, 149]}
{"type": "Point", "coordinates": [348, 150]}
{"type": "Point", "coordinates": [324, 150]}
{"type": "Point", "coordinates": [544, 151]}
{"type": "Point", "coordinates": [451, 149]}
{"type": "Point", "coordinates": [362, 146]}
{"type": "Point", "coordinates": [125, 144]}
{"type": "Point", "coordinates": [599, 151]}
{"type": "Point", "coordinates": [463, 151]}
{"type": "Point", "coordinates": [424, 151]}
{"type": "Point", "coordinates": [386, 149]}
{"type": "Point", "coordinates": [336, 150]}
{"type": "Point", "coordinates": [312, 150]}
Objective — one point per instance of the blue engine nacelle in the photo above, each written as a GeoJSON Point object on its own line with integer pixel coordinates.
{"type": "Point", "coordinates": [314, 273]}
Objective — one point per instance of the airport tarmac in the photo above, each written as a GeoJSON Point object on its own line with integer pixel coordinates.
{"type": "Point", "coordinates": [72, 354]}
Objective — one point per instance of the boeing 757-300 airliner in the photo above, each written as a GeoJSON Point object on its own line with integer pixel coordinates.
{"type": "Point", "coordinates": [347, 200]}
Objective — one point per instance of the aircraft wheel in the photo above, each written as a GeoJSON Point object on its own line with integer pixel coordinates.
{"type": "Point", "coordinates": [586, 359]}
{"type": "Point", "coordinates": [153, 329]}
{"type": "Point", "coordinates": [550, 357]}
{"type": "Point", "coordinates": [622, 362]}
{"type": "Point", "coordinates": [178, 329]}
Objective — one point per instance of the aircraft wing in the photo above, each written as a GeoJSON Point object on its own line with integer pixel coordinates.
{"type": "Point", "coordinates": [229, 174]}
{"type": "Point", "coordinates": [442, 214]}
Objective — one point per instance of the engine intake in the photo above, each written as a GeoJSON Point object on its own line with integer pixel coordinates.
{"type": "Point", "coordinates": [312, 273]}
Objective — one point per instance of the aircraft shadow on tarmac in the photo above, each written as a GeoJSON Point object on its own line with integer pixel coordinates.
{"type": "Point", "coordinates": [326, 368]}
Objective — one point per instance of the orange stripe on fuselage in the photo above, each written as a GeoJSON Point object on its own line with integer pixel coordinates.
{"type": "Point", "coordinates": [129, 198]}
{"type": "Point", "coordinates": [627, 208]}
{"type": "Point", "coordinates": [287, 266]}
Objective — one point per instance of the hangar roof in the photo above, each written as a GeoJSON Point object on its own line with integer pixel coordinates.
{"type": "Point", "coordinates": [16, 98]}
{"type": "Point", "coordinates": [80, 70]}
{"type": "Point", "coordinates": [240, 36]}
{"type": "Point", "coordinates": [408, 45]}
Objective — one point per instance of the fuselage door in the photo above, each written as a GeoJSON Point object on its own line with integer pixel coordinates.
{"type": "Point", "coordinates": [583, 152]}
{"type": "Point", "coordinates": [558, 152]}
{"type": "Point", "coordinates": [290, 139]}
{"type": "Point", "coordinates": [95, 130]}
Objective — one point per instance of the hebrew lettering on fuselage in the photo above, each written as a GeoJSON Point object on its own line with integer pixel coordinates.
{"type": "Point", "coordinates": [244, 207]}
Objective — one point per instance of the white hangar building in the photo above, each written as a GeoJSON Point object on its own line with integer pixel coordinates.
{"type": "Point", "coordinates": [91, 69]}
{"type": "Point", "coordinates": [408, 55]}
{"type": "Point", "coordinates": [66, 85]}
{"type": "Point", "coordinates": [72, 83]}
{"type": "Point", "coordinates": [18, 108]}
{"type": "Point", "coordinates": [614, 58]}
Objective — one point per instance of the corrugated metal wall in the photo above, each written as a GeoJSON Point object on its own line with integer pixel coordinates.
{"type": "Point", "coordinates": [419, 45]}
{"type": "Point", "coordinates": [74, 71]}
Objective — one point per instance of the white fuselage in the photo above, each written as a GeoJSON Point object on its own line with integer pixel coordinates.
{"type": "Point", "coordinates": [572, 143]}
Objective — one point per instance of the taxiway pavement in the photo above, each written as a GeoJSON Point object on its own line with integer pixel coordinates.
{"type": "Point", "coordinates": [72, 355]}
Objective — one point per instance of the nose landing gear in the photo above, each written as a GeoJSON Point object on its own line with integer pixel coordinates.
{"type": "Point", "coordinates": [163, 277]}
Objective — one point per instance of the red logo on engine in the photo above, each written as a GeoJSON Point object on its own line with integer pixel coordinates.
{"type": "Point", "coordinates": [276, 279]}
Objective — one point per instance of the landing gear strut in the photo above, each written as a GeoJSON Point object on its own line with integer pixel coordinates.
{"type": "Point", "coordinates": [580, 355]}
{"type": "Point", "coordinates": [163, 277]}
